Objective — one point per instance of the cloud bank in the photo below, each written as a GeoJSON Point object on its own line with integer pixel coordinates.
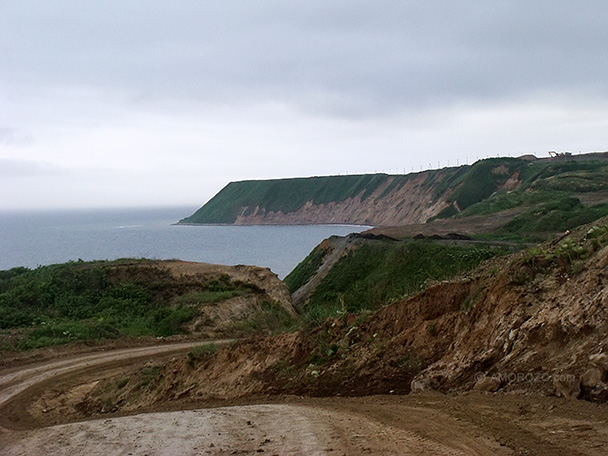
{"type": "Point", "coordinates": [164, 103]}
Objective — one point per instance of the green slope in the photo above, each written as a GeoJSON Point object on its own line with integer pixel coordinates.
{"type": "Point", "coordinates": [285, 195]}
{"type": "Point", "coordinates": [550, 197]}
{"type": "Point", "coordinates": [378, 272]}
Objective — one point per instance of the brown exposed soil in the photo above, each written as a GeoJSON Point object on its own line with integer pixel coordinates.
{"type": "Point", "coordinates": [426, 423]}
{"type": "Point", "coordinates": [222, 319]}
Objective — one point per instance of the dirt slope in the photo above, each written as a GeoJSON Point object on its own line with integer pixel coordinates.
{"type": "Point", "coordinates": [264, 278]}
{"type": "Point", "coordinates": [536, 321]}
{"type": "Point", "coordinates": [514, 343]}
{"type": "Point", "coordinates": [222, 319]}
{"type": "Point", "coordinates": [18, 385]}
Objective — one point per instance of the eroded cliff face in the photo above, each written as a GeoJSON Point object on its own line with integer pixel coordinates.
{"type": "Point", "coordinates": [390, 200]}
{"type": "Point", "coordinates": [410, 202]}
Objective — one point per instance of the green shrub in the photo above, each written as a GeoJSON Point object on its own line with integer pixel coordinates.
{"type": "Point", "coordinates": [556, 216]}
{"type": "Point", "coordinates": [61, 332]}
{"type": "Point", "coordinates": [596, 231]}
{"type": "Point", "coordinates": [166, 321]}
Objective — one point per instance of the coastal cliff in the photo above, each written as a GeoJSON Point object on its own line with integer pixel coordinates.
{"type": "Point", "coordinates": [377, 199]}
{"type": "Point", "coordinates": [488, 186]}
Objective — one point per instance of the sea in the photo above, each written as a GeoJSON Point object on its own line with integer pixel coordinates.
{"type": "Point", "coordinates": [35, 238]}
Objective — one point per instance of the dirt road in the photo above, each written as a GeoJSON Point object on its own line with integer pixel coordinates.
{"type": "Point", "coordinates": [284, 429]}
{"type": "Point", "coordinates": [479, 424]}
{"type": "Point", "coordinates": [13, 381]}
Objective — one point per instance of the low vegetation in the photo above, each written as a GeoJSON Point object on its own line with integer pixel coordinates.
{"type": "Point", "coordinates": [556, 216]}
{"type": "Point", "coordinates": [536, 312]}
{"type": "Point", "coordinates": [568, 255]}
{"type": "Point", "coordinates": [82, 301]}
{"type": "Point", "coordinates": [61, 303]}
{"type": "Point", "coordinates": [471, 184]}
{"type": "Point", "coordinates": [201, 353]}
{"type": "Point", "coordinates": [269, 319]}
{"type": "Point", "coordinates": [380, 272]}
{"type": "Point", "coordinates": [99, 300]}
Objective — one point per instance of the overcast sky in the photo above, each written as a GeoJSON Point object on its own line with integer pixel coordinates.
{"type": "Point", "coordinates": [148, 103]}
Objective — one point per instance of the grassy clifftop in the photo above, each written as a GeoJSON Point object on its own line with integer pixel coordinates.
{"type": "Point", "coordinates": [285, 195]}
{"type": "Point", "coordinates": [487, 187]}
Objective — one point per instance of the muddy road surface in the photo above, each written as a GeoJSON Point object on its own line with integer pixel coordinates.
{"type": "Point", "coordinates": [423, 424]}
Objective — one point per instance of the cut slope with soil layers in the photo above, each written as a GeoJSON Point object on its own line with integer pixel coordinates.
{"type": "Point", "coordinates": [535, 321]}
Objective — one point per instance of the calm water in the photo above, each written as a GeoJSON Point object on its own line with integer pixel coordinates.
{"type": "Point", "coordinates": [39, 238]}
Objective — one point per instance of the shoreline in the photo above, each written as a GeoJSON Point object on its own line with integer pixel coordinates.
{"type": "Point", "coordinates": [277, 224]}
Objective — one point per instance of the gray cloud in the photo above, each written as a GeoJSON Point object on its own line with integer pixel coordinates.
{"type": "Point", "coordinates": [195, 94]}
{"type": "Point", "coordinates": [361, 56]}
